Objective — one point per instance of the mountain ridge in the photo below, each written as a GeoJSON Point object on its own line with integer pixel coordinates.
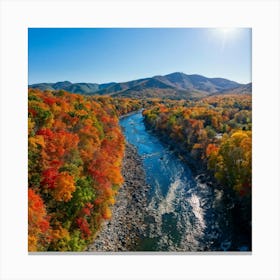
{"type": "Point", "coordinates": [177, 85]}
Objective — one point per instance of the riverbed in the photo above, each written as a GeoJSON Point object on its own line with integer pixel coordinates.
{"type": "Point", "coordinates": [163, 206]}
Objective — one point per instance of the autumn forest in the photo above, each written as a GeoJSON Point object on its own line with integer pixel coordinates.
{"type": "Point", "coordinates": [76, 149]}
{"type": "Point", "coordinates": [75, 156]}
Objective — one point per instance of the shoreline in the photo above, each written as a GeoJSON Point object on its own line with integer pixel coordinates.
{"type": "Point", "coordinates": [126, 226]}
{"type": "Point", "coordinates": [130, 113]}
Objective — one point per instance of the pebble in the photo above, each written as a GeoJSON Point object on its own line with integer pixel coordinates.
{"type": "Point", "coordinates": [127, 225]}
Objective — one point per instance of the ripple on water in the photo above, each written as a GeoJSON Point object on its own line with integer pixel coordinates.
{"type": "Point", "coordinates": [179, 211]}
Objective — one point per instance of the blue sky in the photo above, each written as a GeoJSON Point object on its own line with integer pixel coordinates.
{"type": "Point", "coordinates": [101, 55]}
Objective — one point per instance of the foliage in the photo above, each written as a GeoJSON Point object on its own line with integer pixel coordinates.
{"type": "Point", "coordinates": [38, 223]}
{"type": "Point", "coordinates": [232, 161]}
{"type": "Point", "coordinates": [215, 130]}
{"type": "Point", "coordinates": [75, 151]}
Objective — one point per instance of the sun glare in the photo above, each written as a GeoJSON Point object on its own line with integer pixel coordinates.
{"type": "Point", "coordinates": [225, 34]}
{"type": "Point", "coordinates": [227, 30]}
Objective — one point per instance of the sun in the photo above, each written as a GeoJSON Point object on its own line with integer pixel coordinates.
{"type": "Point", "coordinates": [227, 31]}
{"type": "Point", "coordinates": [226, 36]}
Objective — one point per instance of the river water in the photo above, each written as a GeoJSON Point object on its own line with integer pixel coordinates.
{"type": "Point", "coordinates": [184, 214]}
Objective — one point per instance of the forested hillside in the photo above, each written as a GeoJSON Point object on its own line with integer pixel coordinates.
{"type": "Point", "coordinates": [75, 151]}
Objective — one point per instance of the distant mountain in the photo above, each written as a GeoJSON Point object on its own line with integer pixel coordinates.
{"type": "Point", "coordinates": [175, 85]}
{"type": "Point", "coordinates": [82, 88]}
{"type": "Point", "coordinates": [243, 89]}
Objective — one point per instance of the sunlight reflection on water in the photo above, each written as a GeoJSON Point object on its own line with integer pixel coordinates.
{"type": "Point", "coordinates": [177, 201]}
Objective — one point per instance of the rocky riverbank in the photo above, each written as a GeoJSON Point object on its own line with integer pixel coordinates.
{"type": "Point", "coordinates": [126, 226]}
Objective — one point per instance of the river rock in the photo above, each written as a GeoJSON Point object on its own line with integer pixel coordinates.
{"type": "Point", "coordinates": [126, 226]}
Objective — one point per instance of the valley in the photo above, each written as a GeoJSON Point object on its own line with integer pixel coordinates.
{"type": "Point", "coordinates": [174, 176]}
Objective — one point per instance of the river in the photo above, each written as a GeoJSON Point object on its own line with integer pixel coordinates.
{"type": "Point", "coordinates": [183, 213]}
